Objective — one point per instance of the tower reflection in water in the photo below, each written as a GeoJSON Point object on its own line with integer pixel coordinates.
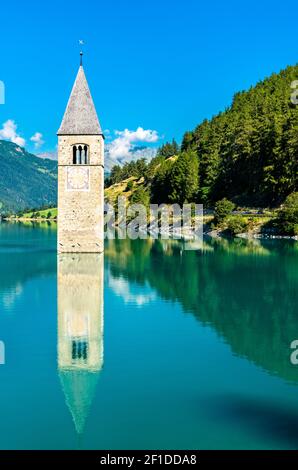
{"type": "Point", "coordinates": [80, 330]}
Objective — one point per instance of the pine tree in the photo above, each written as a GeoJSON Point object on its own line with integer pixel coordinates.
{"type": "Point", "coordinates": [184, 178]}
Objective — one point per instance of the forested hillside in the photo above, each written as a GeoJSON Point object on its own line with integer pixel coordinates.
{"type": "Point", "coordinates": [26, 181]}
{"type": "Point", "coordinates": [248, 153]}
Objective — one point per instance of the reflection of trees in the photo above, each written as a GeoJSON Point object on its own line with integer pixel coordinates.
{"type": "Point", "coordinates": [246, 290]}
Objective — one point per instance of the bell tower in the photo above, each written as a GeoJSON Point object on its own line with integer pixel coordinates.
{"type": "Point", "coordinates": [80, 173]}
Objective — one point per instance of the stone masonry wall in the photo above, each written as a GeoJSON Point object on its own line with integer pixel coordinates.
{"type": "Point", "coordinates": [80, 196]}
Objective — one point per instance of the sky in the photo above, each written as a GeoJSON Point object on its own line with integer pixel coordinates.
{"type": "Point", "coordinates": [155, 68]}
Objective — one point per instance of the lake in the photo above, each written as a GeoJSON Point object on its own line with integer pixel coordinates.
{"type": "Point", "coordinates": [149, 346]}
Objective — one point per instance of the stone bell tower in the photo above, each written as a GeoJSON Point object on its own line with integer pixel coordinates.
{"type": "Point", "coordinates": [80, 173]}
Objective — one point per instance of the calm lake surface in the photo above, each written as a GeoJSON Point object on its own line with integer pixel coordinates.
{"type": "Point", "coordinates": [149, 346]}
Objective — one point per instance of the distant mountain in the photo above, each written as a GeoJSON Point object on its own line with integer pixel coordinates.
{"type": "Point", "coordinates": [30, 181]}
{"type": "Point", "coordinates": [50, 155]}
{"type": "Point", "coordinates": [26, 181]}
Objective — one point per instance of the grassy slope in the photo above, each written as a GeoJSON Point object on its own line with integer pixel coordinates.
{"type": "Point", "coordinates": [113, 192]}
{"type": "Point", "coordinates": [42, 214]}
{"type": "Point", "coordinates": [119, 189]}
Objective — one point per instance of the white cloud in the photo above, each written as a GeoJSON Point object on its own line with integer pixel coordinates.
{"type": "Point", "coordinates": [37, 139]}
{"type": "Point", "coordinates": [122, 288]}
{"type": "Point", "coordinates": [9, 298]}
{"type": "Point", "coordinates": [121, 147]}
{"type": "Point", "coordinates": [9, 132]}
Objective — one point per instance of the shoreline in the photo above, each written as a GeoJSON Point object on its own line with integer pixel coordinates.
{"type": "Point", "coordinates": [209, 233]}
{"type": "Point", "coordinates": [26, 219]}
{"type": "Point", "coordinates": [251, 236]}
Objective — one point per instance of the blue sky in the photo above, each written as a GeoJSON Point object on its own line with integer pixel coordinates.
{"type": "Point", "coordinates": [160, 65]}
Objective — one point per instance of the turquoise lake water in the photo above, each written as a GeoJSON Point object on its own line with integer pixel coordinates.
{"type": "Point", "coordinates": [149, 346]}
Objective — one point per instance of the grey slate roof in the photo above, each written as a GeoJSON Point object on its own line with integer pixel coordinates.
{"type": "Point", "coordinates": [80, 116]}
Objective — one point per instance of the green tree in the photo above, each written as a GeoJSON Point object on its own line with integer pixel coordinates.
{"type": "Point", "coordinates": [187, 141]}
{"type": "Point", "coordinates": [237, 224]}
{"type": "Point", "coordinates": [115, 176]}
{"type": "Point", "coordinates": [223, 209]}
{"type": "Point", "coordinates": [160, 185]}
{"type": "Point", "coordinates": [248, 153]}
{"type": "Point", "coordinates": [288, 215]}
{"type": "Point", "coordinates": [169, 149]}
{"type": "Point", "coordinates": [129, 186]}
{"type": "Point", "coordinates": [140, 196]}
{"type": "Point", "coordinates": [184, 178]}
{"type": "Point", "coordinates": [140, 167]}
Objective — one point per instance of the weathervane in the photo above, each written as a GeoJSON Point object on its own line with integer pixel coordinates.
{"type": "Point", "coordinates": [81, 43]}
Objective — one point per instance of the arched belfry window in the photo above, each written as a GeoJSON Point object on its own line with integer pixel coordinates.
{"type": "Point", "coordinates": [79, 349]}
{"type": "Point", "coordinates": [74, 154]}
{"type": "Point", "coordinates": [80, 154]}
{"type": "Point", "coordinates": [86, 154]}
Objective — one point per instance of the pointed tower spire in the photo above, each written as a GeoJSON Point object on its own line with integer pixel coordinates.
{"type": "Point", "coordinates": [80, 116]}
{"type": "Point", "coordinates": [79, 388]}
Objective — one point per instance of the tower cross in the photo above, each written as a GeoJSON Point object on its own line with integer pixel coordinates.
{"type": "Point", "coordinates": [81, 43]}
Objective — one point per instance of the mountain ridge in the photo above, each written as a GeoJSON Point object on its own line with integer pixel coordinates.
{"type": "Point", "coordinates": [25, 179]}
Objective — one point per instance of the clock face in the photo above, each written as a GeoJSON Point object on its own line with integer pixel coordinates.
{"type": "Point", "coordinates": [78, 179]}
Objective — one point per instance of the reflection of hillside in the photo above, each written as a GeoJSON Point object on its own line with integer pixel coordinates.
{"type": "Point", "coordinates": [17, 268]}
{"type": "Point", "coordinates": [241, 247]}
{"type": "Point", "coordinates": [250, 300]}
{"type": "Point", "coordinates": [24, 257]}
